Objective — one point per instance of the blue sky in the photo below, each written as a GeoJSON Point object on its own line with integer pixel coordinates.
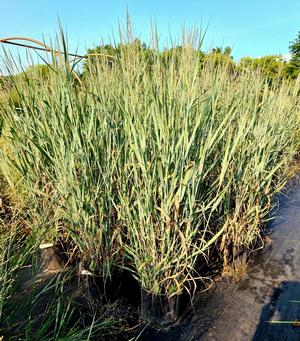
{"type": "Point", "coordinates": [250, 27]}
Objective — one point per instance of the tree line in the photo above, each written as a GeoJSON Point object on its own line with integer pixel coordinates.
{"type": "Point", "coordinates": [272, 66]}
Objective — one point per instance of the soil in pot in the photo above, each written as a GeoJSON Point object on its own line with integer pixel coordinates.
{"type": "Point", "coordinates": [162, 310]}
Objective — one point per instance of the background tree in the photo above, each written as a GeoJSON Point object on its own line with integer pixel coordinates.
{"type": "Point", "coordinates": [271, 66]}
{"type": "Point", "coordinates": [107, 52]}
{"type": "Point", "coordinates": [174, 54]}
{"type": "Point", "coordinates": [293, 67]}
{"type": "Point", "coordinates": [227, 51]}
{"type": "Point", "coordinates": [219, 56]}
{"type": "Point", "coordinates": [110, 54]}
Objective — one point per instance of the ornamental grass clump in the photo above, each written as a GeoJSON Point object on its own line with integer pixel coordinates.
{"type": "Point", "coordinates": [166, 199]}
{"type": "Point", "coordinates": [156, 164]}
{"type": "Point", "coordinates": [63, 150]}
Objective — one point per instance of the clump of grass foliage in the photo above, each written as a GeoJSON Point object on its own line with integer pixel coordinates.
{"type": "Point", "coordinates": [150, 165]}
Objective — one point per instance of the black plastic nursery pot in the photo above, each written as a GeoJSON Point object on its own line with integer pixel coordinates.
{"type": "Point", "coordinates": [96, 286]}
{"type": "Point", "coordinates": [161, 309]}
{"type": "Point", "coordinates": [49, 259]}
{"type": "Point", "coordinates": [119, 285]}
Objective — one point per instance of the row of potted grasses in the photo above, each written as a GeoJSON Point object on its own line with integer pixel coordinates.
{"type": "Point", "coordinates": [154, 168]}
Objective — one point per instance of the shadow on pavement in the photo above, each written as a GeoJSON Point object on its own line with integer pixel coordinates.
{"type": "Point", "coordinates": [280, 318]}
